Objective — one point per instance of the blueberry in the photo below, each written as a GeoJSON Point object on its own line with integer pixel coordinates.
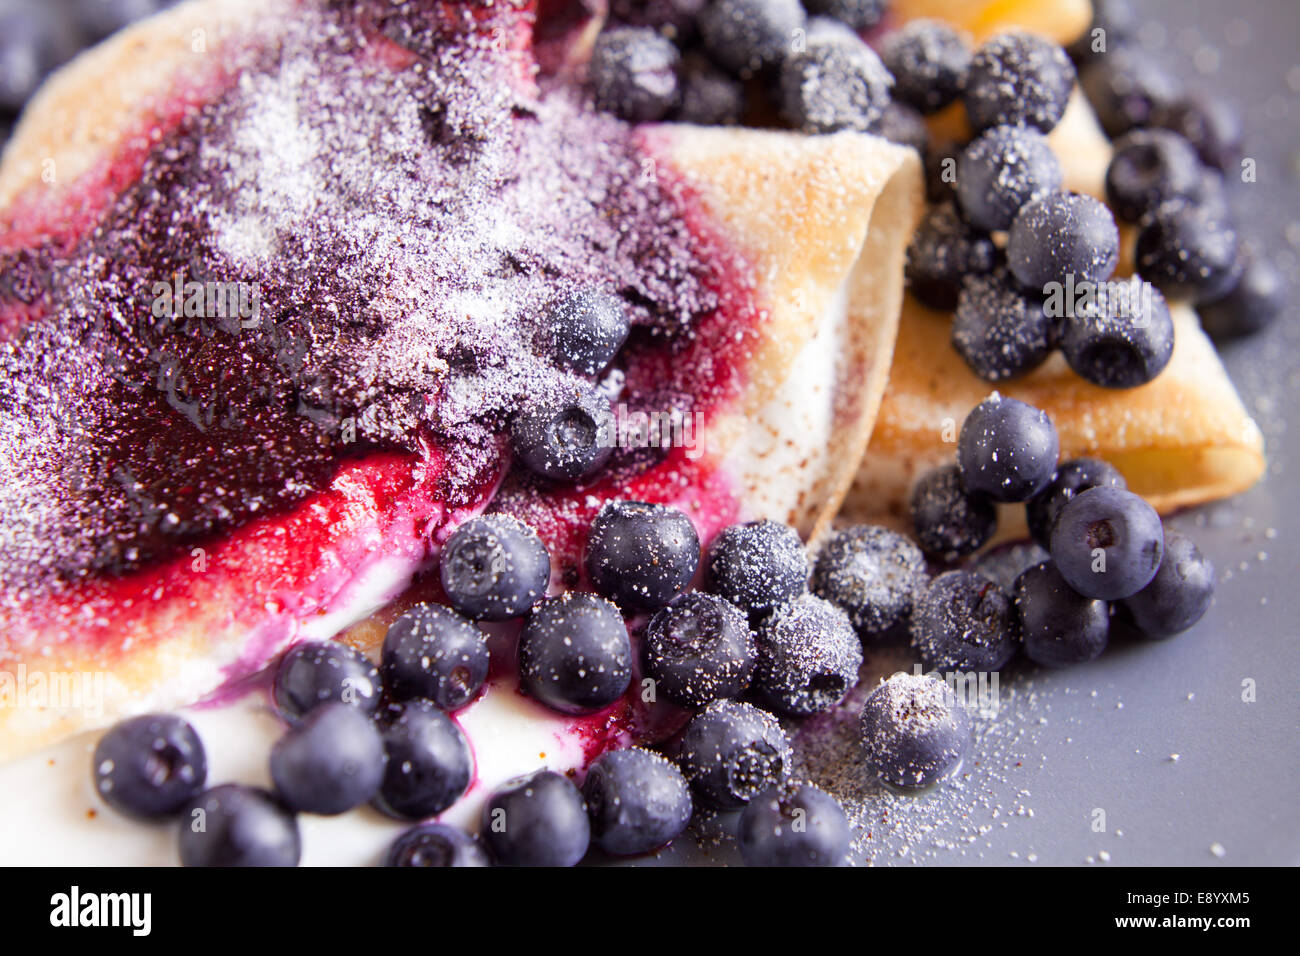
{"type": "Point", "coordinates": [637, 801]}
{"type": "Point", "coordinates": [832, 85]}
{"type": "Point", "coordinates": [964, 622]}
{"type": "Point", "coordinates": [1209, 123]}
{"type": "Point", "coordinates": [794, 826]}
{"type": "Point", "coordinates": [329, 762]}
{"type": "Point", "coordinates": [1114, 22]}
{"type": "Point", "coordinates": [1061, 235]}
{"type": "Point", "coordinates": [566, 438]}
{"type": "Point", "coordinates": [1125, 339]}
{"type": "Point", "coordinates": [234, 825]}
{"type": "Point", "coordinates": [929, 60]}
{"type": "Point", "coordinates": [709, 96]}
{"type": "Point", "coordinates": [1074, 476]}
{"type": "Point", "coordinates": [35, 39]}
{"type": "Point", "coordinates": [634, 73]}
{"type": "Point", "coordinates": [1125, 87]}
{"type": "Point", "coordinates": [1001, 170]}
{"type": "Point", "coordinates": [641, 555]}
{"type": "Point", "coordinates": [433, 652]}
{"type": "Point", "coordinates": [429, 761]}
{"type": "Point", "coordinates": [436, 844]}
{"type": "Point", "coordinates": [102, 17]}
{"type": "Point", "coordinates": [1188, 252]}
{"type": "Point", "coordinates": [574, 654]}
{"type": "Point", "coordinates": [150, 766]}
{"type": "Point", "coordinates": [999, 331]}
{"type": "Point", "coordinates": [808, 657]}
{"type": "Point", "coordinates": [1179, 594]}
{"type": "Point", "coordinates": [1107, 543]}
{"type": "Point", "coordinates": [756, 566]}
{"type": "Point", "coordinates": [1147, 168]}
{"type": "Point", "coordinates": [749, 36]}
{"type": "Point", "coordinates": [317, 672]}
{"type": "Point", "coordinates": [1007, 449]}
{"type": "Point", "coordinates": [1254, 302]}
{"type": "Point", "coordinates": [731, 751]}
{"type": "Point", "coordinates": [1058, 626]}
{"type": "Point", "coordinates": [494, 567]}
{"type": "Point", "coordinates": [948, 520]}
{"type": "Point", "coordinates": [539, 820]}
{"type": "Point", "coordinates": [875, 575]}
{"type": "Point", "coordinates": [586, 328]}
{"type": "Point", "coordinates": [1004, 563]}
{"type": "Point", "coordinates": [915, 731]}
{"type": "Point", "coordinates": [858, 15]}
{"type": "Point", "coordinates": [901, 124]}
{"type": "Point", "coordinates": [1018, 78]}
{"type": "Point", "coordinates": [944, 250]}
{"type": "Point", "coordinates": [699, 649]}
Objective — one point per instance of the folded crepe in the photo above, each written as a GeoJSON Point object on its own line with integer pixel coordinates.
{"type": "Point", "coordinates": [795, 244]}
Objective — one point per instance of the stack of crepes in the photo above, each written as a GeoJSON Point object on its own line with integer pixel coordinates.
{"type": "Point", "coordinates": [847, 391]}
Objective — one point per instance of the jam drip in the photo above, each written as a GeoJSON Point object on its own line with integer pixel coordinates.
{"type": "Point", "coordinates": [401, 201]}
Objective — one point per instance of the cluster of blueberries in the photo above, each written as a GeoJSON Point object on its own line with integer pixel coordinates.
{"type": "Point", "coordinates": [39, 36]}
{"type": "Point", "coordinates": [1102, 542]}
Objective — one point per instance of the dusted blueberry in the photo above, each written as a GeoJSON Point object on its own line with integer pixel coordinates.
{"type": "Point", "coordinates": [316, 672]}
{"type": "Point", "coordinates": [929, 60]}
{"type": "Point", "coordinates": [1074, 476]}
{"type": "Point", "coordinates": [1007, 449]}
{"type": "Point", "coordinates": [808, 656]}
{"type": "Point", "coordinates": [574, 654]}
{"type": "Point", "coordinates": [1188, 252]}
{"type": "Point", "coordinates": [794, 826]}
{"type": "Point", "coordinates": [433, 652]}
{"type": "Point", "coordinates": [149, 766]}
{"type": "Point", "coordinates": [944, 250]}
{"type": "Point", "coordinates": [494, 567]}
{"type": "Point", "coordinates": [586, 329]}
{"type": "Point", "coordinates": [1180, 593]}
{"type": "Point", "coordinates": [539, 820]}
{"type": "Point", "coordinates": [903, 125]}
{"type": "Point", "coordinates": [329, 762]}
{"type": "Point", "coordinates": [858, 15]}
{"type": "Point", "coordinates": [1150, 167]}
{"type": "Point", "coordinates": [709, 96]}
{"type": "Point", "coordinates": [730, 751]}
{"type": "Point", "coordinates": [35, 39]}
{"type": "Point", "coordinates": [1004, 563]}
{"type": "Point", "coordinates": [873, 574]}
{"type": "Point", "coordinates": [1254, 302]}
{"type": "Point", "coordinates": [634, 73]}
{"type": "Point", "coordinates": [674, 17]}
{"type": "Point", "coordinates": [641, 555]}
{"type": "Point", "coordinates": [699, 649]}
{"type": "Point", "coordinates": [637, 801]}
{"type": "Point", "coordinates": [1018, 78]}
{"type": "Point", "coordinates": [1058, 626]}
{"type": "Point", "coordinates": [1001, 170]}
{"type": "Point", "coordinates": [915, 731]}
{"type": "Point", "coordinates": [949, 521]}
{"type": "Point", "coordinates": [1113, 23]}
{"type": "Point", "coordinates": [757, 566]}
{"type": "Point", "coordinates": [1125, 87]}
{"type": "Point", "coordinates": [1107, 543]}
{"type": "Point", "coordinates": [964, 622]}
{"type": "Point", "coordinates": [834, 84]}
{"type": "Point", "coordinates": [999, 331]}
{"type": "Point", "coordinates": [234, 825]}
{"type": "Point", "coordinates": [1062, 235]}
{"type": "Point", "coordinates": [567, 438]}
{"type": "Point", "coordinates": [429, 761]}
{"type": "Point", "coordinates": [1211, 124]}
{"type": "Point", "coordinates": [436, 844]}
{"type": "Point", "coordinates": [1125, 339]}
{"type": "Point", "coordinates": [749, 36]}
